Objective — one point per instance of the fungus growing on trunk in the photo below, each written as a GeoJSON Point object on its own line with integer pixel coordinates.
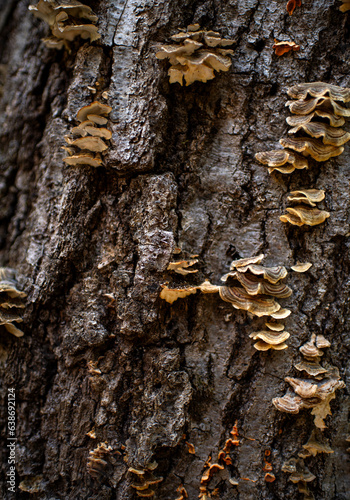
{"type": "Point", "coordinates": [345, 7]}
{"type": "Point", "coordinates": [97, 460]}
{"type": "Point", "coordinates": [282, 160]}
{"type": "Point", "coordinates": [299, 215]}
{"type": "Point", "coordinates": [291, 6]}
{"type": "Point", "coordinates": [67, 19]}
{"type": "Point", "coordinates": [197, 56]}
{"type": "Point", "coordinates": [91, 136]}
{"type": "Point", "coordinates": [181, 267]}
{"type": "Point", "coordinates": [281, 48]}
{"type": "Point", "coordinates": [317, 443]}
{"type": "Point", "coordinates": [144, 480]}
{"type": "Point", "coordinates": [316, 149]}
{"type": "Point", "coordinates": [11, 301]}
{"type": "Point", "coordinates": [301, 267]}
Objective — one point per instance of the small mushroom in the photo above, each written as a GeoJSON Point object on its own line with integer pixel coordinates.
{"type": "Point", "coordinates": [330, 135]}
{"type": "Point", "coordinates": [319, 89]}
{"type": "Point", "coordinates": [255, 285]}
{"type": "Point", "coordinates": [99, 120]}
{"type": "Point", "coordinates": [269, 477]}
{"type": "Point", "coordinates": [304, 388]}
{"type": "Point", "coordinates": [317, 444]}
{"type": "Point", "coordinates": [240, 299]}
{"type": "Point", "coordinates": [311, 368]}
{"type": "Point", "coordinates": [264, 346]}
{"type": "Point", "coordinates": [282, 160]}
{"type": "Point", "coordinates": [172, 294]}
{"type": "Point", "coordinates": [299, 215]}
{"type": "Point", "coordinates": [269, 337]}
{"type": "Point", "coordinates": [95, 108]}
{"type": "Point", "coordinates": [83, 159]}
{"type": "Point", "coordinates": [90, 143]}
{"type": "Point", "coordinates": [301, 267]}
{"type": "Point", "coordinates": [281, 48]}
{"type": "Point", "coordinates": [316, 149]}
{"type": "Point", "coordinates": [291, 6]}
{"type": "Point", "coordinates": [271, 274]}
{"type": "Point", "coordinates": [181, 267]}
{"type": "Point", "coordinates": [334, 120]}
{"type": "Point", "coordinates": [98, 460]}
{"type": "Point", "coordinates": [276, 327]}
{"type": "Point", "coordinates": [235, 264]}
{"type": "Point", "coordinates": [11, 301]}
{"type": "Point", "coordinates": [281, 314]}
{"type": "Point", "coordinates": [309, 349]}
{"type": "Point", "coordinates": [304, 107]}
{"type": "Point", "coordinates": [289, 403]}
{"type": "Point", "coordinates": [322, 342]}
{"type": "Point", "coordinates": [308, 196]}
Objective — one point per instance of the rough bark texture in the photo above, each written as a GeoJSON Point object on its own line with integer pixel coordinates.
{"type": "Point", "coordinates": [180, 172]}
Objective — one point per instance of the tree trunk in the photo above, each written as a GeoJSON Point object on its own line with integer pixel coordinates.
{"type": "Point", "coordinates": [180, 172]}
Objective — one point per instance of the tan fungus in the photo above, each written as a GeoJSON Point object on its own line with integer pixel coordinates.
{"type": "Point", "coordinates": [283, 47]}
{"type": "Point", "coordinates": [345, 7]}
{"type": "Point", "coordinates": [181, 267]}
{"type": "Point", "coordinates": [255, 285]}
{"type": "Point", "coordinates": [297, 120]}
{"type": "Point", "coordinates": [273, 338]}
{"type": "Point", "coordinates": [282, 160]}
{"type": "Point", "coordinates": [299, 215]}
{"type": "Point", "coordinates": [11, 301]}
{"type": "Point", "coordinates": [322, 342]}
{"type": "Point", "coordinates": [309, 349]}
{"type": "Point", "coordinates": [300, 267]}
{"type": "Point", "coordinates": [330, 135]}
{"type": "Point", "coordinates": [308, 196]}
{"type": "Point", "coordinates": [302, 107]}
{"type": "Point", "coordinates": [240, 299]}
{"type": "Point", "coordinates": [319, 89]}
{"type": "Point", "coordinates": [276, 327]}
{"type": "Point", "coordinates": [97, 460]}
{"type": "Point", "coordinates": [246, 261]}
{"type": "Point", "coordinates": [172, 294]}
{"type": "Point", "coordinates": [317, 443]}
{"type": "Point", "coordinates": [311, 368]}
{"type": "Point", "coordinates": [316, 149]}
{"type": "Point", "coordinates": [264, 346]}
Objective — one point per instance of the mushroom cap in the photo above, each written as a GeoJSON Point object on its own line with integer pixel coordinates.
{"type": "Point", "coordinates": [282, 47]}
{"type": "Point", "coordinates": [172, 294]}
{"type": "Point", "coordinates": [83, 159]}
{"type": "Point", "coordinates": [334, 120]}
{"type": "Point", "coordinates": [240, 299]}
{"type": "Point", "coordinates": [316, 149]}
{"type": "Point", "coordinates": [281, 314]}
{"type": "Point", "coordinates": [271, 274]}
{"type": "Point", "coordinates": [254, 285]}
{"type": "Point", "coordinates": [181, 267]}
{"type": "Point", "coordinates": [302, 107]}
{"type": "Point", "coordinates": [301, 215]}
{"type": "Point", "coordinates": [300, 267]}
{"type": "Point", "coordinates": [273, 338]}
{"type": "Point", "coordinates": [330, 135]}
{"type": "Point", "coordinates": [317, 444]}
{"type": "Point", "coordinates": [14, 330]}
{"type": "Point", "coordinates": [52, 42]}
{"type": "Point", "coordinates": [289, 403]}
{"type": "Point", "coordinates": [99, 120]}
{"type": "Point", "coordinates": [95, 108]}
{"type": "Point", "coordinates": [207, 287]}
{"type": "Point", "coordinates": [71, 31]}
{"type": "Point", "coordinates": [309, 349]}
{"type": "Point", "coordinates": [322, 342]}
{"type": "Point", "coordinates": [308, 196]}
{"type": "Point", "coordinates": [245, 262]}
{"type": "Point", "coordinates": [94, 144]}
{"type": "Point", "coordinates": [280, 157]}
{"type": "Point", "coordinates": [304, 388]}
{"type": "Point", "coordinates": [275, 327]}
{"type": "Point", "coordinates": [311, 368]}
{"type": "Point", "coordinates": [319, 89]}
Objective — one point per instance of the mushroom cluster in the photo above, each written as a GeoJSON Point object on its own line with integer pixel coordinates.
{"type": "Point", "coordinates": [300, 214]}
{"type": "Point", "coordinates": [316, 392]}
{"type": "Point", "coordinates": [97, 460]}
{"type": "Point", "coordinates": [346, 6]}
{"type": "Point", "coordinates": [319, 115]}
{"type": "Point", "coordinates": [145, 480]}
{"type": "Point", "coordinates": [259, 287]}
{"type": "Point", "coordinates": [300, 475]}
{"type": "Point", "coordinates": [88, 136]}
{"type": "Point", "coordinates": [196, 55]}
{"type": "Point", "coordinates": [67, 20]}
{"type": "Point", "coordinates": [11, 301]}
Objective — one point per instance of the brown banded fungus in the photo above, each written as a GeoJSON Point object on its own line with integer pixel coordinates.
{"type": "Point", "coordinates": [270, 340]}
{"type": "Point", "coordinates": [307, 196]}
{"type": "Point", "coordinates": [91, 138]}
{"type": "Point", "coordinates": [319, 89]}
{"type": "Point", "coordinates": [196, 56]}
{"type": "Point", "coordinates": [317, 443]}
{"type": "Point", "coordinates": [182, 266]}
{"type": "Point", "coordinates": [300, 475]}
{"type": "Point", "coordinates": [98, 460]}
{"type": "Point", "coordinates": [67, 19]}
{"type": "Point", "coordinates": [345, 7]}
{"type": "Point", "coordinates": [311, 147]}
{"type": "Point", "coordinates": [144, 480]}
{"type": "Point", "coordinates": [282, 160]}
{"type": "Point", "coordinates": [11, 301]}
{"type": "Point", "coordinates": [299, 215]}
{"type": "Point", "coordinates": [281, 48]}
{"type": "Point", "coordinates": [259, 305]}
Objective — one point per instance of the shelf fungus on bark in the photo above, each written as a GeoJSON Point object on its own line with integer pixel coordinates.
{"type": "Point", "coordinates": [275, 327]}
{"type": "Point", "coordinates": [144, 480]}
{"type": "Point", "coordinates": [300, 215]}
{"type": "Point", "coordinates": [345, 7]}
{"type": "Point", "coordinates": [301, 267]}
{"type": "Point", "coordinates": [182, 492]}
{"type": "Point", "coordinates": [312, 147]}
{"type": "Point", "coordinates": [97, 460]}
{"type": "Point", "coordinates": [334, 136]}
{"type": "Point", "coordinates": [317, 443]}
{"type": "Point", "coordinates": [307, 196]}
{"type": "Point", "coordinates": [11, 301]}
{"type": "Point", "coordinates": [315, 393]}
{"type": "Point", "coordinates": [182, 266]}
{"type": "Point", "coordinates": [299, 120]}
{"type": "Point", "coordinates": [91, 138]}
{"type": "Point", "coordinates": [172, 294]}
{"type": "Point", "coordinates": [198, 54]}
{"type": "Point", "coordinates": [300, 475]}
{"type": "Point", "coordinates": [305, 107]}
{"type": "Point", "coordinates": [319, 89]}
{"type": "Point", "coordinates": [282, 160]}
{"type": "Point", "coordinates": [67, 19]}
{"type": "Point", "coordinates": [270, 340]}
{"type": "Point", "coordinates": [291, 6]}
{"type": "Point", "coordinates": [283, 47]}
{"type": "Point", "coordinates": [259, 305]}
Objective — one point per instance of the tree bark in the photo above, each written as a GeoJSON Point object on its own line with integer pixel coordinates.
{"type": "Point", "coordinates": [180, 172]}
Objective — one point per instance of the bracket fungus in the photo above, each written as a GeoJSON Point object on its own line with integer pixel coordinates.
{"type": "Point", "coordinates": [314, 393]}
{"type": "Point", "coordinates": [311, 147]}
{"type": "Point", "coordinates": [145, 480]}
{"type": "Point", "coordinates": [300, 475]}
{"type": "Point", "coordinates": [291, 6]}
{"type": "Point", "coordinates": [319, 89]}
{"type": "Point", "coordinates": [198, 54]}
{"type": "Point", "coordinates": [299, 215]}
{"type": "Point", "coordinates": [345, 7]}
{"type": "Point", "coordinates": [67, 19]}
{"type": "Point", "coordinates": [182, 266]}
{"type": "Point", "coordinates": [283, 161]}
{"type": "Point", "coordinates": [270, 340]}
{"type": "Point", "coordinates": [317, 443]}
{"type": "Point", "coordinates": [281, 48]}
{"type": "Point", "coordinates": [97, 460]}
{"type": "Point", "coordinates": [91, 138]}
{"type": "Point", "coordinates": [301, 267]}
{"type": "Point", "coordinates": [11, 301]}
